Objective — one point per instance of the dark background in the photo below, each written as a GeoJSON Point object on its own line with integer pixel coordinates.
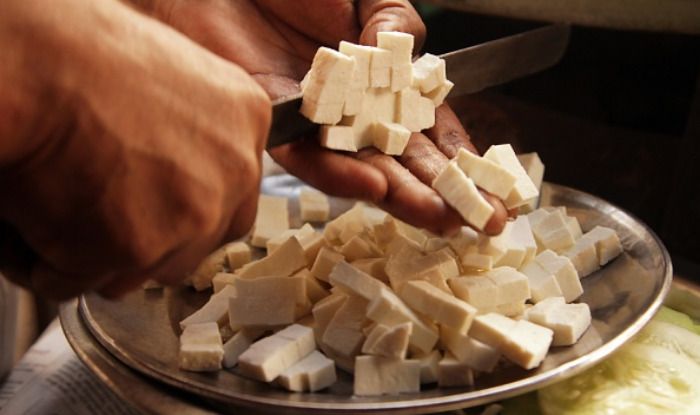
{"type": "Point", "coordinates": [618, 117]}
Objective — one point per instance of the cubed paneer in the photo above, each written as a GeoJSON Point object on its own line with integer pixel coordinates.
{"type": "Point", "coordinates": [271, 220]}
{"type": "Point", "coordinates": [359, 247]}
{"type": "Point", "coordinates": [315, 291]}
{"type": "Point", "coordinates": [337, 137]}
{"type": "Point", "coordinates": [444, 308]}
{"type": "Point", "coordinates": [524, 190]}
{"type": "Point", "coordinates": [460, 192]}
{"type": "Point", "coordinates": [492, 329]}
{"type": "Point", "coordinates": [388, 341]}
{"type": "Point", "coordinates": [380, 68]}
{"type": "Point", "coordinates": [391, 138]}
{"type": "Point", "coordinates": [553, 232]}
{"type": "Point", "coordinates": [534, 168]}
{"type": "Point", "coordinates": [399, 44]}
{"type": "Point", "coordinates": [355, 281]}
{"type": "Point", "coordinates": [326, 259]}
{"type": "Point", "coordinates": [452, 372]}
{"type": "Point", "coordinates": [207, 269]}
{"type": "Point", "coordinates": [237, 254]}
{"type": "Point", "coordinates": [284, 261]}
{"type": "Point", "coordinates": [528, 345]}
{"type": "Point", "coordinates": [524, 343]}
{"type": "Point", "coordinates": [401, 77]}
{"type": "Point", "coordinates": [521, 235]}
{"type": "Point", "coordinates": [486, 173]}
{"type": "Point", "coordinates": [607, 243]}
{"type": "Point", "coordinates": [258, 303]}
{"type": "Point", "coordinates": [389, 310]}
{"type": "Point", "coordinates": [475, 354]}
{"type": "Point", "coordinates": [201, 349]}
{"type": "Point", "coordinates": [511, 285]}
{"type": "Point", "coordinates": [374, 267]}
{"type": "Point", "coordinates": [584, 256]}
{"type": "Point", "coordinates": [213, 311]}
{"type": "Point", "coordinates": [543, 283]}
{"type": "Point", "coordinates": [362, 55]}
{"type": "Point", "coordinates": [479, 291]}
{"type": "Point", "coordinates": [354, 99]}
{"type": "Point", "coordinates": [324, 310]}
{"type": "Point", "coordinates": [237, 344]}
{"type": "Point", "coordinates": [473, 260]}
{"type": "Point", "coordinates": [429, 366]}
{"type": "Point", "coordinates": [564, 272]}
{"type": "Point", "coordinates": [330, 113]}
{"type": "Point", "coordinates": [439, 94]}
{"type": "Point", "coordinates": [375, 375]}
{"type": "Point", "coordinates": [313, 205]}
{"type": "Point", "coordinates": [344, 334]}
{"type": "Point", "coordinates": [312, 373]}
{"type": "Point", "coordinates": [567, 321]}
{"type": "Point", "coordinates": [267, 358]}
{"type": "Point", "coordinates": [429, 73]}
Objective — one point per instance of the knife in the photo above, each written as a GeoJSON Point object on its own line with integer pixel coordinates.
{"type": "Point", "coordinates": [472, 69]}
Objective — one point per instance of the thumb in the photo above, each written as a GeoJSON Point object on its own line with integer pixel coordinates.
{"type": "Point", "coordinates": [389, 15]}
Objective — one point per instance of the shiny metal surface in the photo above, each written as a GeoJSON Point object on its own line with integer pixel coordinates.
{"type": "Point", "coordinates": [142, 329]}
{"type": "Point", "coordinates": [472, 69]}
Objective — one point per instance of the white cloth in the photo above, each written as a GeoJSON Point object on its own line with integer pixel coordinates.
{"type": "Point", "coordinates": [50, 379]}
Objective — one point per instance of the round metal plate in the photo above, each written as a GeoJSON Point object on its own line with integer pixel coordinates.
{"type": "Point", "coordinates": [142, 329]}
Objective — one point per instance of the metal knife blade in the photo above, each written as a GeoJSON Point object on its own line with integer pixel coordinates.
{"type": "Point", "coordinates": [472, 69]}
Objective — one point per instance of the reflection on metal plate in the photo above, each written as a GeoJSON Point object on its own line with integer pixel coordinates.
{"type": "Point", "coordinates": [142, 329]}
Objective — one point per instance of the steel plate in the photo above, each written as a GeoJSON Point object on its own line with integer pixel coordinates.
{"type": "Point", "coordinates": [142, 329]}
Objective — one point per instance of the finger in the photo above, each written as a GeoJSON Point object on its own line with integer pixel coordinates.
{"type": "Point", "coordinates": [333, 173]}
{"type": "Point", "coordinates": [423, 159]}
{"type": "Point", "coordinates": [448, 135]}
{"type": "Point", "coordinates": [408, 198]}
{"type": "Point", "coordinates": [276, 86]}
{"type": "Point", "coordinates": [332, 22]}
{"type": "Point", "coordinates": [389, 15]}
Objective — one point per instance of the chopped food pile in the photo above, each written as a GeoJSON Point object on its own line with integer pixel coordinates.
{"type": "Point", "coordinates": [373, 96]}
{"type": "Point", "coordinates": [395, 305]}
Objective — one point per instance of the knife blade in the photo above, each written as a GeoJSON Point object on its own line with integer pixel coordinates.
{"type": "Point", "coordinates": [472, 69]}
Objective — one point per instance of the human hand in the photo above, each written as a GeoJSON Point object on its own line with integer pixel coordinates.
{"type": "Point", "coordinates": [276, 40]}
{"type": "Point", "coordinates": [149, 154]}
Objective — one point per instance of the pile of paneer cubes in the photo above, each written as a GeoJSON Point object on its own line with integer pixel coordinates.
{"type": "Point", "coordinates": [395, 305]}
{"type": "Point", "coordinates": [373, 96]}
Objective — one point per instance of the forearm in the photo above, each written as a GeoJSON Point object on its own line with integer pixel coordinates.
{"type": "Point", "coordinates": [23, 86]}
{"type": "Point", "coordinates": [54, 55]}
{"type": "Point", "coordinates": [45, 48]}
